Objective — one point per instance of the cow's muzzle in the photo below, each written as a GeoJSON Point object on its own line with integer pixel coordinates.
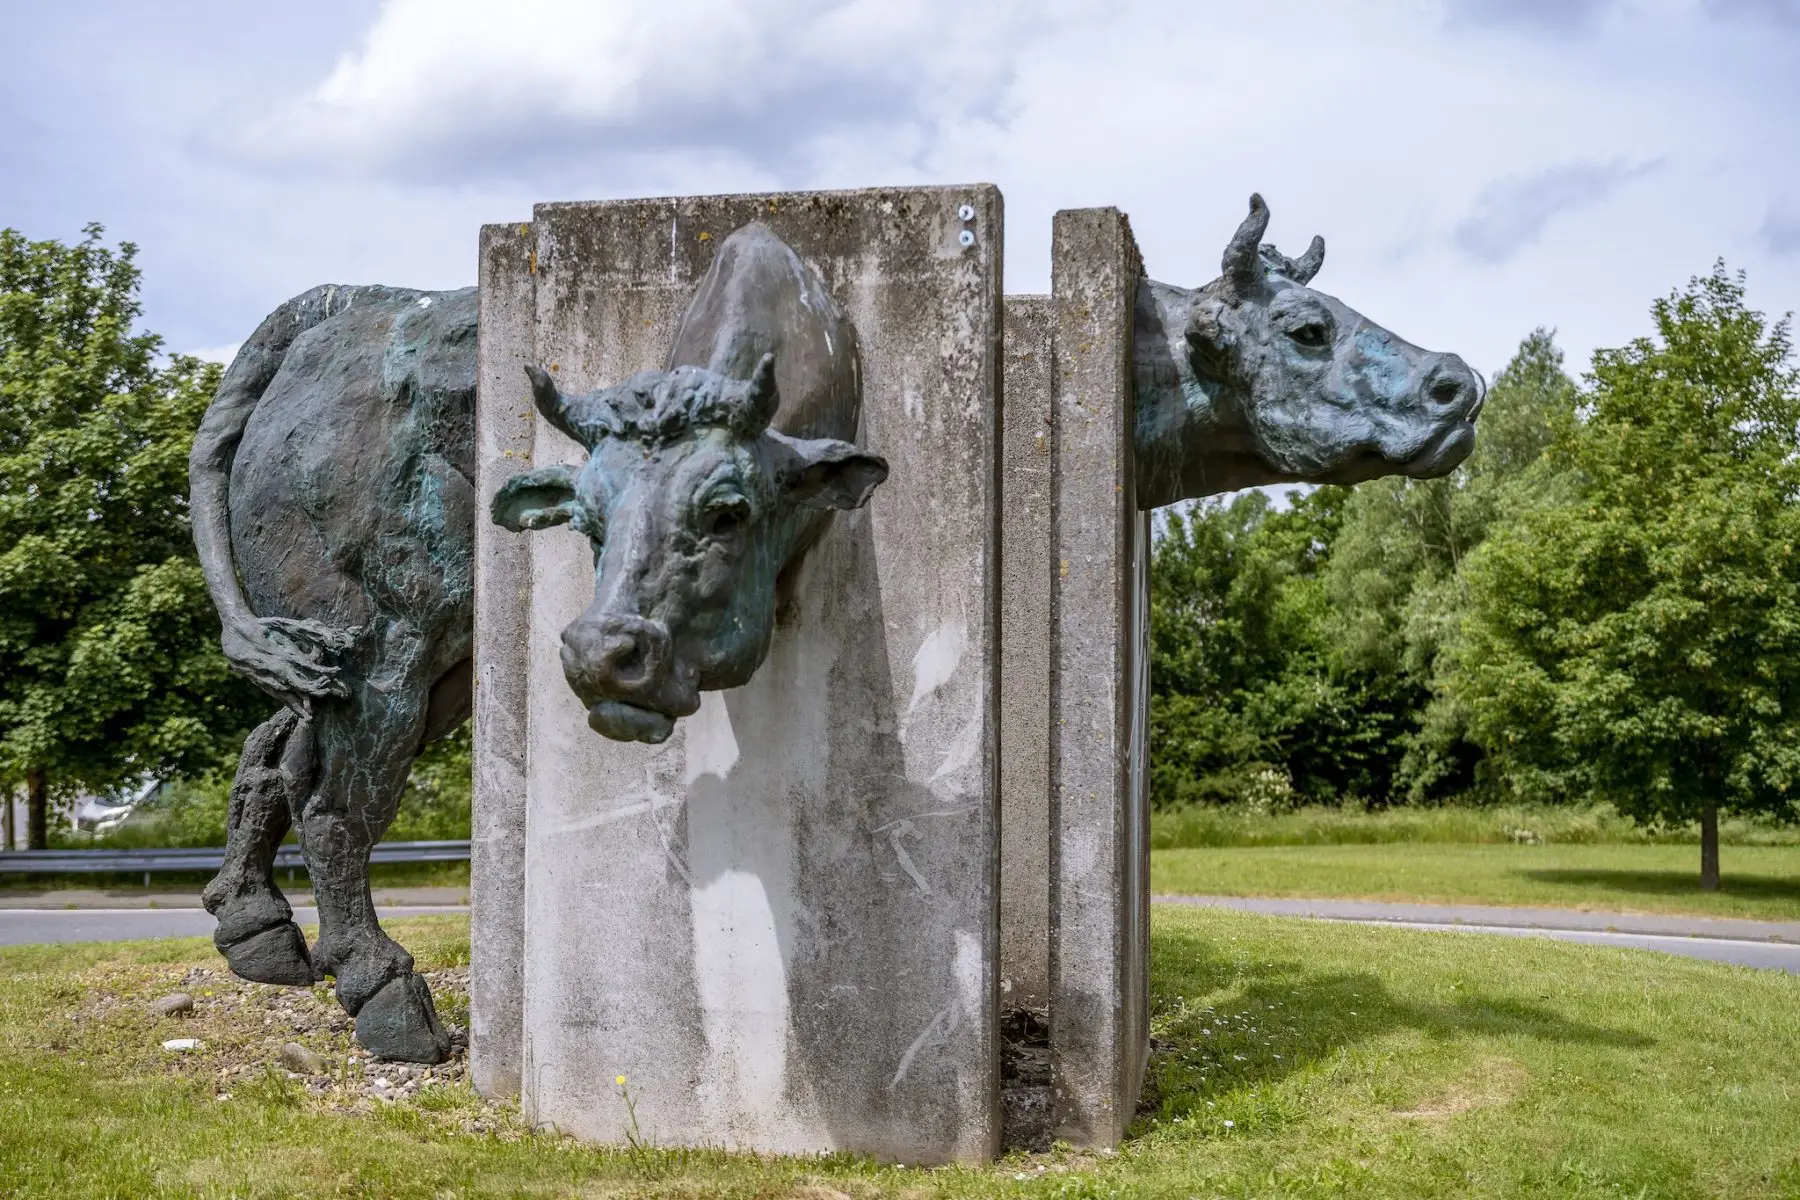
{"type": "Point", "coordinates": [620, 668]}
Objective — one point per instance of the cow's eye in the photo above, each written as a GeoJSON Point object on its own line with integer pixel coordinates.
{"type": "Point", "coordinates": [726, 516]}
{"type": "Point", "coordinates": [1311, 334]}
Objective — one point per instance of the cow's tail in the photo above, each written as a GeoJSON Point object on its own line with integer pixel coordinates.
{"type": "Point", "coordinates": [293, 660]}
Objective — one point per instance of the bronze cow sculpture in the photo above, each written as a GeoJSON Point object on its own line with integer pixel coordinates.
{"type": "Point", "coordinates": [334, 517]}
{"type": "Point", "coordinates": [702, 483]}
{"type": "Point", "coordinates": [1257, 379]}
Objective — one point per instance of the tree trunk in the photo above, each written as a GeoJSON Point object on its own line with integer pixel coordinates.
{"type": "Point", "coordinates": [1709, 848]}
{"type": "Point", "coordinates": [6, 822]}
{"type": "Point", "coordinates": [37, 810]}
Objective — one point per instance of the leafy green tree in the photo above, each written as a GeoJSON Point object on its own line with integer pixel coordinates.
{"type": "Point", "coordinates": [109, 660]}
{"type": "Point", "coordinates": [1640, 639]}
{"type": "Point", "coordinates": [1393, 575]}
{"type": "Point", "coordinates": [1243, 706]}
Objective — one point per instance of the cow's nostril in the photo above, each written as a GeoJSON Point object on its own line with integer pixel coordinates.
{"type": "Point", "coordinates": [623, 655]}
{"type": "Point", "coordinates": [1446, 389]}
{"type": "Point", "coordinates": [615, 655]}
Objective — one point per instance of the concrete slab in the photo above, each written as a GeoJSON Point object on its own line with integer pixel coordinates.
{"type": "Point", "coordinates": [505, 428]}
{"type": "Point", "coordinates": [780, 926]}
{"type": "Point", "coordinates": [1026, 567]}
{"type": "Point", "coordinates": [1099, 805]}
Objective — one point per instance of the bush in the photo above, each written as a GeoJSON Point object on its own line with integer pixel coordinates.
{"type": "Point", "coordinates": [435, 806]}
{"type": "Point", "coordinates": [1199, 826]}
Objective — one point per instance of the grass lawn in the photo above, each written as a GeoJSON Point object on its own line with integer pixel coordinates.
{"type": "Point", "coordinates": [1294, 1059]}
{"type": "Point", "coordinates": [1758, 881]}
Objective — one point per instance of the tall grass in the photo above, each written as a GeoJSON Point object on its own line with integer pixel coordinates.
{"type": "Point", "coordinates": [1201, 826]}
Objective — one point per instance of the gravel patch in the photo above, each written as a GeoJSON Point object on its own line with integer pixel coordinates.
{"type": "Point", "coordinates": [236, 1036]}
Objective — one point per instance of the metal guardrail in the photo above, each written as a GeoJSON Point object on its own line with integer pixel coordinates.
{"type": "Point", "coordinates": [208, 858]}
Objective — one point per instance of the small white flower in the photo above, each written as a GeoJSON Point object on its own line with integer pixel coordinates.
{"type": "Point", "coordinates": [1231, 1124]}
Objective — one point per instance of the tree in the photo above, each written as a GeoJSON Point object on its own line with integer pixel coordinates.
{"type": "Point", "coordinates": [1639, 640]}
{"type": "Point", "coordinates": [109, 661]}
{"type": "Point", "coordinates": [1243, 706]}
{"type": "Point", "coordinates": [1393, 577]}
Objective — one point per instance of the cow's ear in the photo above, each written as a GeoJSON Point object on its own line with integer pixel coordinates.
{"type": "Point", "coordinates": [826, 473]}
{"type": "Point", "coordinates": [536, 499]}
{"type": "Point", "coordinates": [1208, 340]}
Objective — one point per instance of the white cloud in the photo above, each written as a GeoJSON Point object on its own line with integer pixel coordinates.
{"type": "Point", "coordinates": [461, 89]}
{"type": "Point", "coordinates": [1512, 213]}
{"type": "Point", "coordinates": [1383, 125]}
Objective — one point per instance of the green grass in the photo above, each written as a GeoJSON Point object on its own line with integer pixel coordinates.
{"type": "Point", "coordinates": [1210, 825]}
{"type": "Point", "coordinates": [1294, 1059]}
{"type": "Point", "coordinates": [1758, 881]}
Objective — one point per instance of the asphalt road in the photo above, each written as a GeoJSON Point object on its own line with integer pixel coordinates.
{"type": "Point", "coordinates": [20, 926]}
{"type": "Point", "coordinates": [1772, 945]}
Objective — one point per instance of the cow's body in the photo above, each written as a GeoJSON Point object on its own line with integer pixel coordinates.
{"type": "Point", "coordinates": [341, 569]}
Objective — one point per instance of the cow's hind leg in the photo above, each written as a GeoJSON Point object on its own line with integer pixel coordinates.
{"type": "Point", "coordinates": [365, 749]}
{"type": "Point", "coordinates": [256, 931]}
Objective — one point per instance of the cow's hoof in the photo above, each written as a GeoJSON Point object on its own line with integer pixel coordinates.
{"type": "Point", "coordinates": [276, 955]}
{"type": "Point", "coordinates": [399, 1022]}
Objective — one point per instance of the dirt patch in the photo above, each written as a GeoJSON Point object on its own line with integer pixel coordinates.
{"type": "Point", "coordinates": [1490, 1083]}
{"type": "Point", "coordinates": [239, 1031]}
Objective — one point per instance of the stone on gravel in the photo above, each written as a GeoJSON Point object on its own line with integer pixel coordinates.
{"type": "Point", "coordinates": [298, 1058]}
{"type": "Point", "coordinates": [173, 1005]}
{"type": "Point", "coordinates": [181, 1045]}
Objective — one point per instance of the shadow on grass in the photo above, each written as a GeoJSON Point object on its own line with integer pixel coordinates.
{"type": "Point", "coordinates": [1272, 1018]}
{"type": "Point", "coordinates": [1671, 883]}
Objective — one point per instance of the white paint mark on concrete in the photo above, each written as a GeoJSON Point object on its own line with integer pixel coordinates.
{"type": "Point", "coordinates": [937, 659]}
{"type": "Point", "coordinates": [943, 1023]}
{"type": "Point", "coordinates": [667, 837]}
{"type": "Point", "coordinates": [635, 805]}
{"type": "Point", "coordinates": [741, 904]}
{"type": "Point", "coordinates": [963, 750]}
{"type": "Point", "coordinates": [967, 969]}
{"type": "Point", "coordinates": [896, 832]}
{"type": "Point", "coordinates": [741, 978]}
{"type": "Point", "coordinates": [712, 747]}
{"type": "Point", "coordinates": [901, 828]}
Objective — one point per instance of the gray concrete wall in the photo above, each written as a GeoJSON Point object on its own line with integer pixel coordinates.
{"type": "Point", "coordinates": [781, 925]}
{"type": "Point", "coordinates": [1099, 915]}
{"type": "Point", "coordinates": [1025, 571]}
{"type": "Point", "coordinates": [504, 433]}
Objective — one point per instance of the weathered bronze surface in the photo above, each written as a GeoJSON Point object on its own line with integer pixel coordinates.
{"type": "Point", "coordinates": [334, 516]}
{"type": "Point", "coordinates": [1257, 379]}
{"type": "Point", "coordinates": [703, 481]}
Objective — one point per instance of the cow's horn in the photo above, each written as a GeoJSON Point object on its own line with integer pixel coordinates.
{"type": "Point", "coordinates": [1243, 257]}
{"type": "Point", "coordinates": [1308, 264]}
{"type": "Point", "coordinates": [554, 405]}
{"type": "Point", "coordinates": [762, 396]}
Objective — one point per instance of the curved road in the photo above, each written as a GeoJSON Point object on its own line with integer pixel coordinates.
{"type": "Point", "coordinates": [1772, 945]}
{"type": "Point", "coordinates": [22, 926]}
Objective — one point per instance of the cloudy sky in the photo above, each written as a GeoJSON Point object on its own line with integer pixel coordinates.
{"type": "Point", "coordinates": [1477, 167]}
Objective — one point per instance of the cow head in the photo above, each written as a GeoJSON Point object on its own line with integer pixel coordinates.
{"type": "Point", "coordinates": [693, 506]}
{"type": "Point", "coordinates": [1256, 378]}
